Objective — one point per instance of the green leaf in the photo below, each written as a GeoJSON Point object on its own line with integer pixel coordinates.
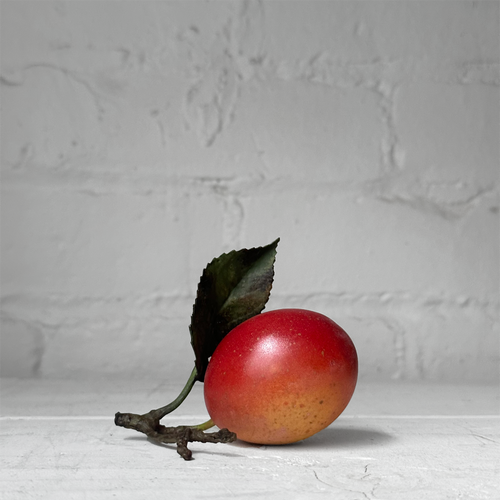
{"type": "Point", "coordinates": [233, 288]}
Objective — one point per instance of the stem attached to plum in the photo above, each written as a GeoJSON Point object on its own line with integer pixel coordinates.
{"type": "Point", "coordinates": [149, 424]}
{"type": "Point", "coordinates": [204, 426]}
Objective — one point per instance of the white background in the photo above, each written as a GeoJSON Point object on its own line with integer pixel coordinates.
{"type": "Point", "coordinates": [140, 139]}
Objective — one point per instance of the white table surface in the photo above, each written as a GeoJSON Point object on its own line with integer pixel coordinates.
{"type": "Point", "coordinates": [394, 441]}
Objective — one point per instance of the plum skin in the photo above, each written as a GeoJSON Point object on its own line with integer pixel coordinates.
{"type": "Point", "coordinates": [281, 376]}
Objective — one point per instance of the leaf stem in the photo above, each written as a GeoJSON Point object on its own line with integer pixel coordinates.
{"type": "Point", "coordinates": [165, 410]}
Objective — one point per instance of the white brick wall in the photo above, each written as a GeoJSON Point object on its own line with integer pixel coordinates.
{"type": "Point", "coordinates": [141, 139]}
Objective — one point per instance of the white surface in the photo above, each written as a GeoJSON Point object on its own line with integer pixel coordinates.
{"type": "Point", "coordinates": [141, 139]}
{"type": "Point", "coordinates": [400, 441]}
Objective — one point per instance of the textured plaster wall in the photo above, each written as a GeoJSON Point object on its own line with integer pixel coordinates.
{"type": "Point", "coordinates": [140, 139]}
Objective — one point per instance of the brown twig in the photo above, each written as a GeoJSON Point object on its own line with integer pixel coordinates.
{"type": "Point", "coordinates": [149, 424]}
